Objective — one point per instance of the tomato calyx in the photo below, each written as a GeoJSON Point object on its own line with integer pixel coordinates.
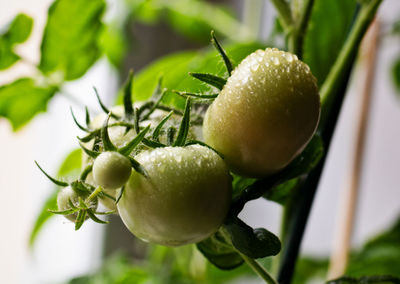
{"type": "Point", "coordinates": [79, 199]}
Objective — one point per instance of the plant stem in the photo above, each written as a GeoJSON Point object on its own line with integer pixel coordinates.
{"type": "Point", "coordinates": [258, 269]}
{"type": "Point", "coordinates": [285, 13]}
{"type": "Point", "coordinates": [332, 93]}
{"type": "Point", "coordinates": [296, 39]}
{"type": "Point", "coordinates": [329, 90]}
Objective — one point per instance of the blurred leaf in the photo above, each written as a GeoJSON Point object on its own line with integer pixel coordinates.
{"type": "Point", "coordinates": [113, 44]}
{"type": "Point", "coordinates": [7, 56]}
{"type": "Point", "coordinates": [70, 40]}
{"type": "Point", "coordinates": [327, 30]}
{"type": "Point", "coordinates": [17, 32]}
{"type": "Point", "coordinates": [378, 279]}
{"type": "Point", "coordinates": [219, 252]}
{"type": "Point", "coordinates": [192, 18]}
{"type": "Point", "coordinates": [379, 256]}
{"type": "Point", "coordinates": [175, 69]}
{"type": "Point", "coordinates": [19, 29]}
{"type": "Point", "coordinates": [396, 74]}
{"type": "Point", "coordinates": [22, 99]}
{"type": "Point", "coordinates": [255, 243]}
{"type": "Point", "coordinates": [69, 168]}
{"type": "Point", "coordinates": [310, 269]}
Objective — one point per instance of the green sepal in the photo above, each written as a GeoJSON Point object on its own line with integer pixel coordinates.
{"type": "Point", "coordinates": [138, 167]}
{"type": "Point", "coordinates": [77, 123]}
{"type": "Point", "coordinates": [135, 122]}
{"type": "Point", "coordinates": [120, 194]}
{"type": "Point", "coordinates": [55, 181]}
{"type": "Point", "coordinates": [157, 130]}
{"type": "Point", "coordinates": [90, 136]}
{"type": "Point", "coordinates": [171, 135]}
{"type": "Point", "coordinates": [129, 111]}
{"type": "Point", "coordinates": [63, 212]}
{"type": "Point", "coordinates": [87, 117]}
{"type": "Point", "coordinates": [128, 148]}
{"type": "Point", "coordinates": [94, 217]}
{"type": "Point", "coordinates": [80, 219]}
{"type": "Point", "coordinates": [157, 96]}
{"type": "Point", "coordinates": [85, 172]}
{"type": "Point", "coordinates": [106, 195]}
{"type": "Point", "coordinates": [184, 126]}
{"type": "Point", "coordinates": [152, 143]}
{"type": "Point", "coordinates": [194, 142]}
{"type": "Point", "coordinates": [80, 186]}
{"type": "Point", "coordinates": [210, 79]}
{"type": "Point", "coordinates": [254, 243]}
{"type": "Point", "coordinates": [107, 144]}
{"type": "Point", "coordinates": [90, 153]}
{"type": "Point", "coordinates": [104, 213]}
{"type": "Point", "coordinates": [197, 96]}
{"type": "Point", "coordinates": [221, 51]}
{"type": "Point", "coordinates": [103, 107]}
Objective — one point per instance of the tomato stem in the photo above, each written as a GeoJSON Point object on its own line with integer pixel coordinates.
{"type": "Point", "coordinates": [296, 38]}
{"type": "Point", "coordinates": [258, 269]}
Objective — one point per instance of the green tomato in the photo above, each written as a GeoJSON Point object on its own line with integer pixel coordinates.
{"type": "Point", "coordinates": [111, 170]}
{"type": "Point", "coordinates": [184, 199]}
{"type": "Point", "coordinates": [66, 194]}
{"type": "Point", "coordinates": [265, 115]}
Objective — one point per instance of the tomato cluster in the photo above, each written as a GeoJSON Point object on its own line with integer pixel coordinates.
{"type": "Point", "coordinates": [168, 190]}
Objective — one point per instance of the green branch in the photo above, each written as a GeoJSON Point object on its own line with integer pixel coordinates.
{"type": "Point", "coordinates": [258, 269]}
{"type": "Point", "coordinates": [296, 39]}
{"type": "Point", "coordinates": [329, 90]}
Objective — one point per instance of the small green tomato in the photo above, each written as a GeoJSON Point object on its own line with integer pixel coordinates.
{"type": "Point", "coordinates": [184, 199]}
{"type": "Point", "coordinates": [111, 170]}
{"type": "Point", "coordinates": [66, 194]}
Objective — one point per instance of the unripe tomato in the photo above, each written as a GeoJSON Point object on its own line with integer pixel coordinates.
{"type": "Point", "coordinates": [184, 199]}
{"type": "Point", "coordinates": [266, 113]}
{"type": "Point", "coordinates": [66, 194]}
{"type": "Point", "coordinates": [111, 170]}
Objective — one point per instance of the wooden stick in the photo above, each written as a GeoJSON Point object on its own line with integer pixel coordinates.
{"type": "Point", "coordinates": [348, 203]}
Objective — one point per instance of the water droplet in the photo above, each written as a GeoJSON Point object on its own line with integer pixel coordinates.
{"type": "Point", "coordinates": [288, 57]}
{"type": "Point", "coordinates": [275, 60]}
{"type": "Point", "coordinates": [178, 158]}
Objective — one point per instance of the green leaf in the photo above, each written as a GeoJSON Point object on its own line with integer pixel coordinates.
{"type": "Point", "coordinates": [219, 252]}
{"type": "Point", "coordinates": [175, 69]}
{"type": "Point", "coordinates": [69, 168]}
{"type": "Point", "coordinates": [379, 256]}
{"type": "Point", "coordinates": [17, 32]}
{"type": "Point", "coordinates": [396, 74]}
{"type": "Point", "coordinates": [113, 44]}
{"type": "Point", "coordinates": [255, 243]}
{"type": "Point", "coordinates": [70, 39]}
{"type": "Point", "coordinates": [192, 18]}
{"type": "Point", "coordinates": [22, 99]}
{"type": "Point", "coordinates": [19, 29]}
{"type": "Point", "coordinates": [376, 279]}
{"type": "Point", "coordinates": [327, 30]}
{"type": "Point", "coordinates": [7, 56]}
{"type": "Point", "coordinates": [210, 79]}
{"type": "Point", "coordinates": [281, 192]}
